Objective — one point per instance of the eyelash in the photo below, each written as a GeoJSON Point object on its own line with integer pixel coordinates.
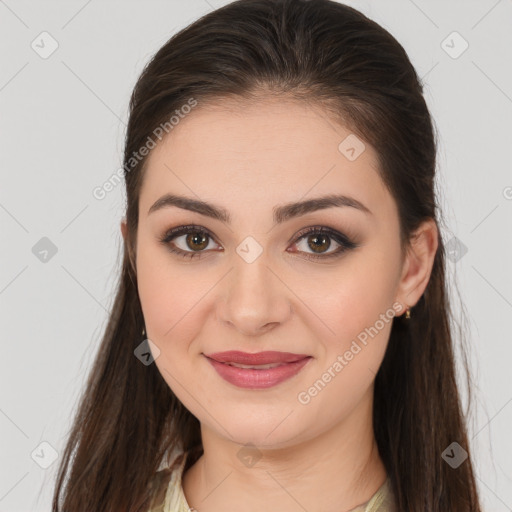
{"type": "Point", "coordinates": [345, 243]}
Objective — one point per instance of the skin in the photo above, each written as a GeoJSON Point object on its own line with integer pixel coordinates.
{"type": "Point", "coordinates": [249, 158]}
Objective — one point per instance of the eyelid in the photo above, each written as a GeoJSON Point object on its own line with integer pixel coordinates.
{"type": "Point", "coordinates": [345, 242]}
{"type": "Point", "coordinates": [186, 228]}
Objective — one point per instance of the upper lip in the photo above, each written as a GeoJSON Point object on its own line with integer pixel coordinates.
{"type": "Point", "coordinates": [235, 356]}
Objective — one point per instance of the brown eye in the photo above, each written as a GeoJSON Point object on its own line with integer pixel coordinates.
{"type": "Point", "coordinates": [315, 242]}
{"type": "Point", "coordinates": [319, 243]}
{"type": "Point", "coordinates": [318, 240]}
{"type": "Point", "coordinates": [197, 241]}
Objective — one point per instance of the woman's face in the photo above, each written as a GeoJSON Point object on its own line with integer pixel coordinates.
{"type": "Point", "coordinates": [256, 282]}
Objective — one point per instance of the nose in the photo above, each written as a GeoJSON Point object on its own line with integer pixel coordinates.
{"type": "Point", "coordinates": [254, 299]}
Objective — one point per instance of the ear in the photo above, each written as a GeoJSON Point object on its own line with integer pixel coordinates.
{"type": "Point", "coordinates": [418, 264]}
{"type": "Point", "coordinates": [124, 228]}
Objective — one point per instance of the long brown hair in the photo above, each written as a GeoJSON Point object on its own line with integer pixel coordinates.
{"type": "Point", "coordinates": [316, 51]}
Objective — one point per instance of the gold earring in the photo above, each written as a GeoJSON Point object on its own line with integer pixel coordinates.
{"type": "Point", "coordinates": [408, 314]}
{"type": "Point", "coordinates": [143, 331]}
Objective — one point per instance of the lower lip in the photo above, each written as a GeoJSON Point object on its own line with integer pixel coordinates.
{"type": "Point", "coordinates": [258, 379]}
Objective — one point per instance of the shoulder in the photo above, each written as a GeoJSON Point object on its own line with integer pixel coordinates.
{"type": "Point", "coordinates": [165, 484]}
{"type": "Point", "coordinates": [158, 488]}
{"type": "Point", "coordinates": [382, 500]}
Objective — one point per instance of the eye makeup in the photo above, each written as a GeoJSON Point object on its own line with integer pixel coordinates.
{"type": "Point", "coordinates": [198, 235]}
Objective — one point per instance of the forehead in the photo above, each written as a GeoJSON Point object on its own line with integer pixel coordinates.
{"type": "Point", "coordinates": [258, 154]}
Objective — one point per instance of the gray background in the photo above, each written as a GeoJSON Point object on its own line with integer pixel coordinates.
{"type": "Point", "coordinates": [62, 122]}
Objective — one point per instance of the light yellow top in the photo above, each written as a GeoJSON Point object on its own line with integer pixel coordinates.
{"type": "Point", "coordinates": [169, 496]}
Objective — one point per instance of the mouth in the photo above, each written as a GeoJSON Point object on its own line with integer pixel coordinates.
{"type": "Point", "coordinates": [256, 367]}
{"type": "Point", "coordinates": [257, 371]}
{"type": "Point", "coordinates": [254, 360]}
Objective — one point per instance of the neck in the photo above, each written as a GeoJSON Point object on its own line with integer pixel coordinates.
{"type": "Point", "coordinates": [334, 471]}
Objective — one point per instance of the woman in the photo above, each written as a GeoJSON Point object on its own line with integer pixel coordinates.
{"type": "Point", "coordinates": [280, 336]}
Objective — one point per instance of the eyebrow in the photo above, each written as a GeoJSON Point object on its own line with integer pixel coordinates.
{"type": "Point", "coordinates": [281, 213]}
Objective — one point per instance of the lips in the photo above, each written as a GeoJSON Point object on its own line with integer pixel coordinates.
{"type": "Point", "coordinates": [246, 359]}
{"type": "Point", "coordinates": [257, 371]}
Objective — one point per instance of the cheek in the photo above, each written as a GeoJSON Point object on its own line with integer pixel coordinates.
{"type": "Point", "coordinates": [166, 293]}
{"type": "Point", "coordinates": [154, 291]}
{"type": "Point", "coordinates": [361, 317]}
{"type": "Point", "coordinates": [353, 297]}
{"type": "Point", "coordinates": [356, 304]}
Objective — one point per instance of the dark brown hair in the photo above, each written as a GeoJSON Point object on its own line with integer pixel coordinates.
{"type": "Point", "coordinates": [329, 54]}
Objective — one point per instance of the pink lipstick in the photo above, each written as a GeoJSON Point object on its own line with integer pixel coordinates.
{"type": "Point", "coordinates": [259, 370]}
